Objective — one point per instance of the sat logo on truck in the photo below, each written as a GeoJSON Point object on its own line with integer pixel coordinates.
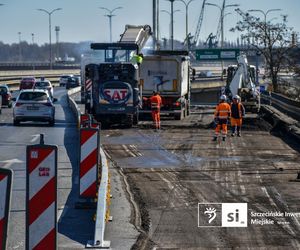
{"type": "Point", "coordinates": [116, 94]}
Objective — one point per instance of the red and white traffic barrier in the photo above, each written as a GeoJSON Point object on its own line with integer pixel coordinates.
{"type": "Point", "coordinates": [41, 197]}
{"type": "Point", "coordinates": [84, 120]}
{"type": "Point", "coordinates": [88, 173]}
{"type": "Point", "coordinates": [5, 194]}
{"type": "Point", "coordinates": [88, 84]}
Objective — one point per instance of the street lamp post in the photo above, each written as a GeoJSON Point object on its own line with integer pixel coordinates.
{"type": "Point", "coordinates": [170, 30]}
{"type": "Point", "coordinates": [20, 49]}
{"type": "Point", "coordinates": [172, 23]}
{"type": "Point", "coordinates": [265, 13]}
{"type": "Point", "coordinates": [186, 18]}
{"type": "Point", "coordinates": [110, 15]}
{"type": "Point", "coordinates": [49, 14]}
{"type": "Point", "coordinates": [32, 38]}
{"type": "Point", "coordinates": [222, 9]}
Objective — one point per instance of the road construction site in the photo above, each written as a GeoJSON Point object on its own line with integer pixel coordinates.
{"type": "Point", "coordinates": [158, 179]}
{"type": "Point", "coordinates": [166, 174]}
{"type": "Point", "coordinates": [169, 172]}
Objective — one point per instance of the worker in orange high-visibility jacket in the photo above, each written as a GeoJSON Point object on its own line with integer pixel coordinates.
{"type": "Point", "coordinates": [156, 103]}
{"type": "Point", "coordinates": [237, 114]}
{"type": "Point", "coordinates": [222, 114]}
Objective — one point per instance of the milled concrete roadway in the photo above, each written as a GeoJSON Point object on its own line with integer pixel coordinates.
{"type": "Point", "coordinates": [171, 171]}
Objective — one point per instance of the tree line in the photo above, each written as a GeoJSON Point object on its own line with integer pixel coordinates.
{"type": "Point", "coordinates": [25, 52]}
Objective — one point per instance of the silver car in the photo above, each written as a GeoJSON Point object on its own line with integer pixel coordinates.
{"type": "Point", "coordinates": [34, 105]}
{"type": "Point", "coordinates": [44, 84]}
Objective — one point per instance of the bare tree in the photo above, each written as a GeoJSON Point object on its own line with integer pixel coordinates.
{"type": "Point", "coordinates": [273, 41]}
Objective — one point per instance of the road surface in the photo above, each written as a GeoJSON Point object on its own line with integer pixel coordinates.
{"type": "Point", "coordinates": [173, 170]}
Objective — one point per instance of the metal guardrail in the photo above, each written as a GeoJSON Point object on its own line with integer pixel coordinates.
{"type": "Point", "coordinates": [13, 78]}
{"type": "Point", "coordinates": [103, 191]}
{"type": "Point", "coordinates": [282, 103]}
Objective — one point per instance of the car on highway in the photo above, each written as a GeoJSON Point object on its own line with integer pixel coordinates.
{"type": "Point", "coordinates": [0, 104]}
{"type": "Point", "coordinates": [27, 82]}
{"type": "Point", "coordinates": [34, 105]}
{"type": "Point", "coordinates": [44, 84]}
{"type": "Point", "coordinates": [6, 96]}
{"type": "Point", "coordinates": [78, 80]}
{"type": "Point", "coordinates": [73, 82]}
{"type": "Point", "coordinates": [64, 79]}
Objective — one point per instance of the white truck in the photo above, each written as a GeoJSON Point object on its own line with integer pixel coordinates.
{"type": "Point", "coordinates": [168, 73]}
{"type": "Point", "coordinates": [241, 81]}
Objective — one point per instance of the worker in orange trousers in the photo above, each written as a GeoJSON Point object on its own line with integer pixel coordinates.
{"type": "Point", "coordinates": [156, 103]}
{"type": "Point", "coordinates": [237, 114]}
{"type": "Point", "coordinates": [222, 115]}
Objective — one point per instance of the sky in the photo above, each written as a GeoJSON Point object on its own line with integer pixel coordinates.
{"type": "Point", "coordinates": [83, 20]}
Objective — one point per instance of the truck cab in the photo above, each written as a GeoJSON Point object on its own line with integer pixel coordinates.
{"type": "Point", "coordinates": [114, 95]}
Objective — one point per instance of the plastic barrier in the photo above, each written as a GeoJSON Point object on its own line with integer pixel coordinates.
{"type": "Point", "coordinates": [88, 170]}
{"type": "Point", "coordinates": [41, 196]}
{"type": "Point", "coordinates": [85, 120]}
{"type": "Point", "coordinates": [5, 195]}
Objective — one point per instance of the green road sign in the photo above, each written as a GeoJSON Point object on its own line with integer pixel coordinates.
{"type": "Point", "coordinates": [217, 54]}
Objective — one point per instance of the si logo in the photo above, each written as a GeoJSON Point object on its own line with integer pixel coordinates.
{"type": "Point", "coordinates": [222, 214]}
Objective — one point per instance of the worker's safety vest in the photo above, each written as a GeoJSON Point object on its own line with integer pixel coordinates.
{"type": "Point", "coordinates": [222, 110]}
{"type": "Point", "coordinates": [237, 110]}
{"type": "Point", "coordinates": [136, 59]}
{"type": "Point", "coordinates": [155, 102]}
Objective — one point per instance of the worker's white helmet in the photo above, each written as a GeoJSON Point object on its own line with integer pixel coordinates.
{"type": "Point", "coordinates": [237, 97]}
{"type": "Point", "coordinates": [223, 97]}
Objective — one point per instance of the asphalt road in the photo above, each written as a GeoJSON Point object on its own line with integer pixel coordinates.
{"type": "Point", "coordinates": [75, 227]}
{"type": "Point", "coordinates": [173, 170]}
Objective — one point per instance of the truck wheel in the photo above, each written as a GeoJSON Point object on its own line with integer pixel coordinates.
{"type": "Point", "coordinates": [179, 116]}
{"type": "Point", "coordinates": [135, 119]}
{"type": "Point", "coordinates": [16, 123]}
{"type": "Point", "coordinates": [187, 109]}
{"type": "Point", "coordinates": [51, 123]}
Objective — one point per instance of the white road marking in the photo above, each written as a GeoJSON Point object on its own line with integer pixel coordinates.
{"type": "Point", "coordinates": [10, 162]}
{"type": "Point", "coordinates": [35, 137]}
{"type": "Point", "coordinates": [61, 213]}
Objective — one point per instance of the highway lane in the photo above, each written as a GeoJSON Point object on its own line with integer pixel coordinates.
{"type": "Point", "coordinates": [173, 170]}
{"type": "Point", "coordinates": [75, 227]}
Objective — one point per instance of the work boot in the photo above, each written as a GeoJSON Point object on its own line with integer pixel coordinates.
{"type": "Point", "coordinates": [215, 138]}
{"type": "Point", "coordinates": [224, 138]}
{"type": "Point", "coordinates": [239, 131]}
{"type": "Point", "coordinates": [233, 131]}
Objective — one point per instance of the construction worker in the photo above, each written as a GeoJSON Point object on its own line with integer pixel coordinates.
{"type": "Point", "coordinates": [222, 114]}
{"type": "Point", "coordinates": [237, 114]}
{"type": "Point", "coordinates": [156, 103]}
{"type": "Point", "coordinates": [137, 59]}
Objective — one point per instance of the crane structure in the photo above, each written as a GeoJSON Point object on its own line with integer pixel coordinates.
{"type": "Point", "coordinates": [195, 38]}
{"type": "Point", "coordinates": [211, 41]}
